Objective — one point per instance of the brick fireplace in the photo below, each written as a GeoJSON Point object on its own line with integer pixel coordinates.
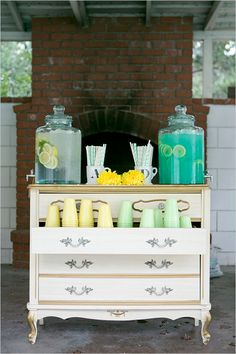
{"type": "Point", "coordinates": [116, 76]}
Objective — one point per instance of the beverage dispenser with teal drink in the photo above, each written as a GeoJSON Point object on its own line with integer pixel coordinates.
{"type": "Point", "coordinates": [181, 150]}
{"type": "Point", "coordinates": [58, 150]}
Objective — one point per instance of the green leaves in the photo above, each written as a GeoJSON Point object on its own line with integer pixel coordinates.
{"type": "Point", "coordinates": [16, 69]}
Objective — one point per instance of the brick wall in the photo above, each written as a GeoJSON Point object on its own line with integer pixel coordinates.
{"type": "Point", "coordinates": [115, 75]}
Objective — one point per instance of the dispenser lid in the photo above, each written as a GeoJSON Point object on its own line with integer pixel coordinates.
{"type": "Point", "coordinates": [181, 110]}
{"type": "Point", "coordinates": [58, 114]}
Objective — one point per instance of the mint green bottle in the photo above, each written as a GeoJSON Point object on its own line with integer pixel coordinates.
{"type": "Point", "coordinates": [181, 150]}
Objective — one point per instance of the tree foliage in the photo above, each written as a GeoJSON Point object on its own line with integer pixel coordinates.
{"type": "Point", "coordinates": [16, 69]}
{"type": "Point", "coordinates": [223, 67]}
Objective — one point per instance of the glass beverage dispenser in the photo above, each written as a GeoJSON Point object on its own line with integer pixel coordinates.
{"type": "Point", "coordinates": [58, 150]}
{"type": "Point", "coordinates": [181, 150]}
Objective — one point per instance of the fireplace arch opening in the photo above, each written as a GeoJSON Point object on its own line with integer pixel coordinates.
{"type": "Point", "coordinates": [118, 152]}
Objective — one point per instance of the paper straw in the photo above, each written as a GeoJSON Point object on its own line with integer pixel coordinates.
{"type": "Point", "coordinates": [88, 157]}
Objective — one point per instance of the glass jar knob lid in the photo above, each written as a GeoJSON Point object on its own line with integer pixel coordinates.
{"type": "Point", "coordinates": [180, 109]}
{"type": "Point", "coordinates": [58, 114]}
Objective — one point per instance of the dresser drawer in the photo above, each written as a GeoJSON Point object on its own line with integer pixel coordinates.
{"type": "Point", "coordinates": [118, 241]}
{"type": "Point", "coordinates": [131, 289]}
{"type": "Point", "coordinates": [102, 264]}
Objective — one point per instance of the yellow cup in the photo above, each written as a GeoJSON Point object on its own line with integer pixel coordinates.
{"type": "Point", "coordinates": [86, 213]}
{"type": "Point", "coordinates": [104, 216]}
{"type": "Point", "coordinates": [53, 216]}
{"type": "Point", "coordinates": [69, 215]}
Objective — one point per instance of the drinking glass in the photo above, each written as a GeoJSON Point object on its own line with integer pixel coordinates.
{"type": "Point", "coordinates": [171, 216]}
{"type": "Point", "coordinates": [158, 216]}
{"type": "Point", "coordinates": [53, 216]}
{"type": "Point", "coordinates": [147, 218]}
{"type": "Point", "coordinates": [104, 216]}
{"type": "Point", "coordinates": [69, 215]}
{"type": "Point", "coordinates": [185, 221]}
{"type": "Point", "coordinates": [86, 213]}
{"type": "Point", "coordinates": [125, 217]}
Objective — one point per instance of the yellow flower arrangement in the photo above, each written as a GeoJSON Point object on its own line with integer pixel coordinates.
{"type": "Point", "coordinates": [109, 178]}
{"type": "Point", "coordinates": [133, 178]}
{"type": "Point", "coordinates": [130, 178]}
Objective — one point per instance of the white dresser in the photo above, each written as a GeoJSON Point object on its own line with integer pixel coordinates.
{"type": "Point", "coordinates": [118, 273]}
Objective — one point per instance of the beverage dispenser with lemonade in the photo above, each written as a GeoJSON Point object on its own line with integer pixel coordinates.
{"type": "Point", "coordinates": [181, 150]}
{"type": "Point", "coordinates": [58, 150]}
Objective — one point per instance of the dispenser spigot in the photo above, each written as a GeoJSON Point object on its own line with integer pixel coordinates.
{"type": "Point", "coordinates": [31, 175]}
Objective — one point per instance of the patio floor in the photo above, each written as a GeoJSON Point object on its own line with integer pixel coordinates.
{"type": "Point", "coordinates": [91, 336]}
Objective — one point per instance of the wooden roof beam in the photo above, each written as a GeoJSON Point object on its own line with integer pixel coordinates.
{"type": "Point", "coordinates": [148, 12]}
{"type": "Point", "coordinates": [16, 15]}
{"type": "Point", "coordinates": [212, 16]}
{"type": "Point", "coordinates": [79, 10]}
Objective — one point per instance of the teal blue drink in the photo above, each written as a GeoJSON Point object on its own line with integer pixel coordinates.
{"type": "Point", "coordinates": [181, 150]}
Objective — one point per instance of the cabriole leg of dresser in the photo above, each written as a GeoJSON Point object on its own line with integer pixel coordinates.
{"type": "Point", "coordinates": [206, 319]}
{"type": "Point", "coordinates": [196, 322]}
{"type": "Point", "coordinates": [32, 321]}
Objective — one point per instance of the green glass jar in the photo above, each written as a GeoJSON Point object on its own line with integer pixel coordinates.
{"type": "Point", "coordinates": [181, 150]}
{"type": "Point", "coordinates": [58, 150]}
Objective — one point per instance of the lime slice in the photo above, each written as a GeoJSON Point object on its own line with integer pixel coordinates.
{"type": "Point", "coordinates": [179, 151]}
{"type": "Point", "coordinates": [44, 157]}
{"type": "Point", "coordinates": [198, 165]}
{"type": "Point", "coordinates": [53, 162]}
{"type": "Point", "coordinates": [166, 150]}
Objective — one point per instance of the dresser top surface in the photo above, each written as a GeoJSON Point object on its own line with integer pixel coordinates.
{"type": "Point", "coordinates": [85, 188]}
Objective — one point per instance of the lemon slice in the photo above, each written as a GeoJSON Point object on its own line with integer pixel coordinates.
{"type": "Point", "coordinates": [48, 148]}
{"type": "Point", "coordinates": [44, 157]}
{"type": "Point", "coordinates": [52, 164]}
{"type": "Point", "coordinates": [179, 151]}
{"type": "Point", "coordinates": [166, 150]}
{"type": "Point", "coordinates": [54, 151]}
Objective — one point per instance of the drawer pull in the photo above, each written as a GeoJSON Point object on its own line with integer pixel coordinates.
{"type": "Point", "coordinates": [84, 290]}
{"type": "Point", "coordinates": [153, 264]}
{"type": "Point", "coordinates": [68, 242]}
{"type": "Point", "coordinates": [84, 263]}
{"type": "Point", "coordinates": [167, 242]}
{"type": "Point", "coordinates": [117, 313]}
{"type": "Point", "coordinates": [153, 290]}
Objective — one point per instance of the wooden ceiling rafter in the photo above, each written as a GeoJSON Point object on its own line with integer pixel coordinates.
{"type": "Point", "coordinates": [148, 12]}
{"type": "Point", "coordinates": [79, 11]}
{"type": "Point", "coordinates": [16, 15]}
{"type": "Point", "coordinates": [212, 15]}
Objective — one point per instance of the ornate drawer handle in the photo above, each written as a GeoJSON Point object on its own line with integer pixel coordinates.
{"type": "Point", "coordinates": [167, 242]}
{"type": "Point", "coordinates": [84, 263]}
{"type": "Point", "coordinates": [153, 290]}
{"type": "Point", "coordinates": [117, 313]}
{"type": "Point", "coordinates": [153, 264]}
{"type": "Point", "coordinates": [68, 242]}
{"type": "Point", "coordinates": [84, 290]}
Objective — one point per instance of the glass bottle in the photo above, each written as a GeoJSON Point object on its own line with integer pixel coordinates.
{"type": "Point", "coordinates": [58, 150]}
{"type": "Point", "coordinates": [181, 150]}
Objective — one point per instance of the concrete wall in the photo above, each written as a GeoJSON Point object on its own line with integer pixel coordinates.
{"type": "Point", "coordinates": [8, 179]}
{"type": "Point", "coordinates": [221, 158]}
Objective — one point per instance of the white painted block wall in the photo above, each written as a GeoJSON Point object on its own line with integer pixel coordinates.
{"type": "Point", "coordinates": [221, 159]}
{"type": "Point", "coordinates": [8, 179]}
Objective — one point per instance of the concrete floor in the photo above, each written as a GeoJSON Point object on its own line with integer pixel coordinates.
{"type": "Point", "coordinates": [89, 336]}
